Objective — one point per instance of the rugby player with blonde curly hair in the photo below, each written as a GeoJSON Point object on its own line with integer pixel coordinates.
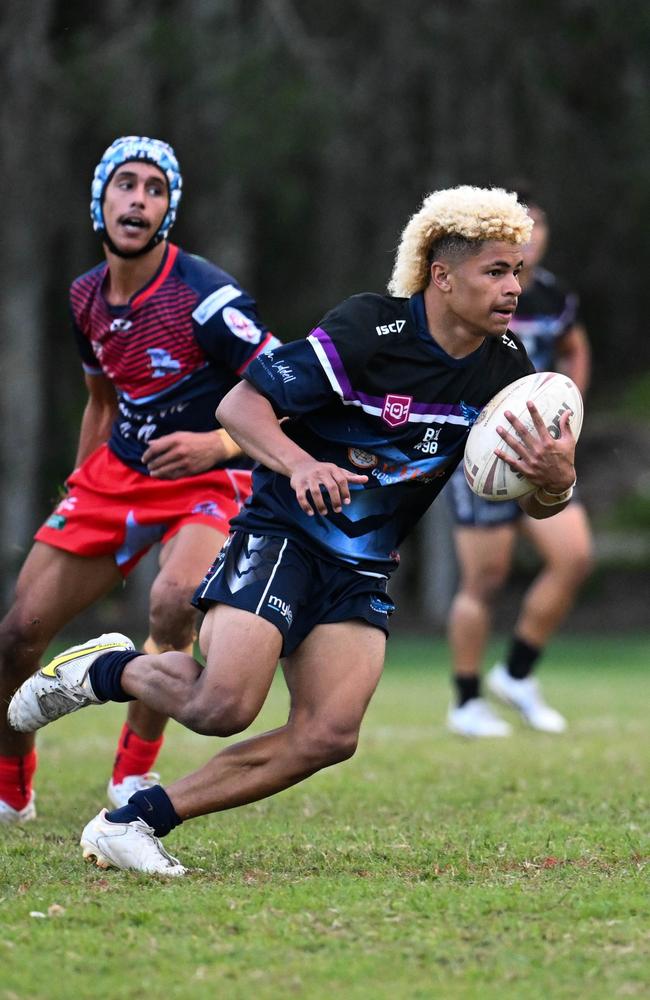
{"type": "Point", "coordinates": [379, 399]}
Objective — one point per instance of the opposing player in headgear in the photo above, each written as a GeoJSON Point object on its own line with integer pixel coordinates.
{"type": "Point", "coordinates": [340, 483]}
{"type": "Point", "coordinates": [163, 335]}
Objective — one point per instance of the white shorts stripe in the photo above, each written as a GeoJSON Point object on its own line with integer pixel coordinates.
{"type": "Point", "coordinates": [275, 569]}
{"type": "Point", "coordinates": [213, 577]}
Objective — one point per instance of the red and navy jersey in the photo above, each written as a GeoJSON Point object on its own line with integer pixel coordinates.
{"type": "Point", "coordinates": [372, 391]}
{"type": "Point", "coordinates": [546, 310]}
{"type": "Point", "coordinates": [172, 352]}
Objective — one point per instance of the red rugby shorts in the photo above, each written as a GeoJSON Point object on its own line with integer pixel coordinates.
{"type": "Point", "coordinates": [111, 509]}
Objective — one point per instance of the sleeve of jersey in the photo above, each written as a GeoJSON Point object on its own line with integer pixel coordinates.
{"type": "Point", "coordinates": [307, 374]}
{"type": "Point", "coordinates": [227, 327]}
{"type": "Point", "coordinates": [91, 365]}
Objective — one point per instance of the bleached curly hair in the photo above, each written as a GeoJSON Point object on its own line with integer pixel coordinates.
{"type": "Point", "coordinates": [471, 214]}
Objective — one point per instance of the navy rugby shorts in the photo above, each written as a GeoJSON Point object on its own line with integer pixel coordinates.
{"type": "Point", "coordinates": [470, 511]}
{"type": "Point", "coordinates": [294, 589]}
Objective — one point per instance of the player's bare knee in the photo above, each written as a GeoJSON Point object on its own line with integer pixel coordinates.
{"type": "Point", "coordinates": [323, 744]}
{"type": "Point", "coordinates": [171, 616]}
{"type": "Point", "coordinates": [584, 565]}
{"type": "Point", "coordinates": [221, 714]}
{"type": "Point", "coordinates": [23, 638]}
{"type": "Point", "coordinates": [486, 586]}
{"type": "Point", "coordinates": [573, 568]}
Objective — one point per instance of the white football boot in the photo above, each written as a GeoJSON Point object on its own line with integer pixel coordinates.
{"type": "Point", "coordinates": [129, 846]}
{"type": "Point", "coordinates": [10, 815]}
{"type": "Point", "coordinates": [526, 697]}
{"type": "Point", "coordinates": [62, 686]}
{"type": "Point", "coordinates": [119, 795]}
{"type": "Point", "coordinates": [476, 718]}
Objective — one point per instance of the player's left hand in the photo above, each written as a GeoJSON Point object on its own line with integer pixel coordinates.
{"type": "Point", "coordinates": [544, 460]}
{"type": "Point", "coordinates": [186, 453]}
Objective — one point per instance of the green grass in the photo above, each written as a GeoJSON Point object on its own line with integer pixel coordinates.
{"type": "Point", "coordinates": [426, 867]}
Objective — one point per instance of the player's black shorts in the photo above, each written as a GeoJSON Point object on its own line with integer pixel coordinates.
{"type": "Point", "coordinates": [470, 511]}
{"type": "Point", "coordinates": [293, 588]}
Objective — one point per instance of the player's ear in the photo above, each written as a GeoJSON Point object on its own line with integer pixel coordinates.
{"type": "Point", "coordinates": [440, 276]}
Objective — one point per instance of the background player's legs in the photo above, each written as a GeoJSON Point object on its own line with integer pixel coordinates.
{"type": "Point", "coordinates": [331, 678]}
{"type": "Point", "coordinates": [53, 586]}
{"type": "Point", "coordinates": [564, 543]}
{"type": "Point", "coordinates": [172, 621]}
{"type": "Point", "coordinates": [565, 546]}
{"type": "Point", "coordinates": [484, 559]}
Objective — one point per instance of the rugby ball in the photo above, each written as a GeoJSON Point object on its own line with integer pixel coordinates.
{"type": "Point", "coordinates": [552, 393]}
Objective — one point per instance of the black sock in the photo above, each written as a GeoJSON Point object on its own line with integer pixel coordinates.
{"type": "Point", "coordinates": [105, 675]}
{"type": "Point", "coordinates": [521, 659]}
{"type": "Point", "coordinates": [466, 688]}
{"type": "Point", "coordinates": [153, 805]}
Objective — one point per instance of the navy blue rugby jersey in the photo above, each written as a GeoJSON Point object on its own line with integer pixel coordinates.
{"type": "Point", "coordinates": [545, 312]}
{"type": "Point", "coordinates": [370, 390]}
{"type": "Point", "coordinates": [172, 353]}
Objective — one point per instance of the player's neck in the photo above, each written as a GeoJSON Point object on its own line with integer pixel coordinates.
{"type": "Point", "coordinates": [127, 275]}
{"type": "Point", "coordinates": [449, 332]}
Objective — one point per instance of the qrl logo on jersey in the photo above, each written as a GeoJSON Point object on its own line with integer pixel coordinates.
{"type": "Point", "coordinates": [396, 409]}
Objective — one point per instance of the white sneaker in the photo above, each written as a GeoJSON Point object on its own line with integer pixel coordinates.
{"type": "Point", "coordinates": [526, 697]}
{"type": "Point", "coordinates": [10, 815]}
{"type": "Point", "coordinates": [119, 795]}
{"type": "Point", "coordinates": [62, 686]}
{"type": "Point", "coordinates": [476, 718]}
{"type": "Point", "coordinates": [128, 846]}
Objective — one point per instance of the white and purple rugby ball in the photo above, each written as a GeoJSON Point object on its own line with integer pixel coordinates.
{"type": "Point", "coordinates": [552, 393]}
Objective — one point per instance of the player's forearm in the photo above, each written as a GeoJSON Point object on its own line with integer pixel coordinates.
{"type": "Point", "coordinates": [542, 504]}
{"type": "Point", "coordinates": [226, 447]}
{"type": "Point", "coordinates": [95, 430]}
{"type": "Point", "coordinates": [250, 420]}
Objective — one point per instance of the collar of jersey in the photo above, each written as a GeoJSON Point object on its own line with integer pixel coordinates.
{"type": "Point", "coordinates": [418, 312]}
{"type": "Point", "coordinates": [152, 286]}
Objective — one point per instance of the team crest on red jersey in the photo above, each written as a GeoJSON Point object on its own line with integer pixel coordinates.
{"type": "Point", "coordinates": [396, 409]}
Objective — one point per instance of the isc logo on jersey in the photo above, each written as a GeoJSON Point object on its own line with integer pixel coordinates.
{"type": "Point", "coordinates": [242, 326]}
{"type": "Point", "coordinates": [395, 327]}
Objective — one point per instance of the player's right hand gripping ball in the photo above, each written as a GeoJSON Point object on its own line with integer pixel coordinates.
{"type": "Point", "coordinates": [552, 393]}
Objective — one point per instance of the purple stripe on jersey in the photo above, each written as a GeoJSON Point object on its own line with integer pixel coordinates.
{"type": "Point", "coordinates": [335, 361]}
{"type": "Point", "coordinates": [377, 402]}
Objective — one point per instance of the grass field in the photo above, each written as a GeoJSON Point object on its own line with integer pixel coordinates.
{"type": "Point", "coordinates": [425, 867]}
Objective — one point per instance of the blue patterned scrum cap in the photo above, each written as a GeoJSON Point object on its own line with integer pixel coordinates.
{"type": "Point", "coordinates": [137, 147]}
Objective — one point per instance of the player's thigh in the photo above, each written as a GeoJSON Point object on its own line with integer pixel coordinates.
{"type": "Point", "coordinates": [333, 673]}
{"type": "Point", "coordinates": [189, 553]}
{"type": "Point", "coordinates": [54, 585]}
{"type": "Point", "coordinates": [485, 553]}
{"type": "Point", "coordinates": [241, 652]}
{"type": "Point", "coordinates": [563, 539]}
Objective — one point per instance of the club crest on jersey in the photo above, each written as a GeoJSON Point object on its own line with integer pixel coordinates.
{"type": "Point", "coordinates": [120, 324]}
{"type": "Point", "coordinates": [162, 362]}
{"type": "Point", "coordinates": [361, 459]}
{"type": "Point", "coordinates": [242, 326]}
{"type": "Point", "coordinates": [396, 409]}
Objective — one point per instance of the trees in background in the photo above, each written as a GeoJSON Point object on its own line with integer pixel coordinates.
{"type": "Point", "coordinates": [307, 134]}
